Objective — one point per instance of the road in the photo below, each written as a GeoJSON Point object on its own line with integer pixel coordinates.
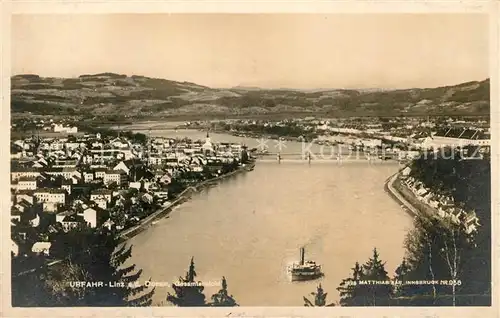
{"type": "Point", "coordinates": [399, 197]}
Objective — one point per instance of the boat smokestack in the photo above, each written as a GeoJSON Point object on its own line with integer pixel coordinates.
{"type": "Point", "coordinates": [301, 256]}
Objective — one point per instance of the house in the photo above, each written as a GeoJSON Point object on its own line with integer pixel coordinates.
{"type": "Point", "coordinates": [161, 193]}
{"type": "Point", "coordinates": [162, 177]}
{"type": "Point", "coordinates": [148, 198]}
{"type": "Point", "coordinates": [433, 203]}
{"type": "Point", "coordinates": [64, 129]}
{"type": "Point", "coordinates": [66, 172]}
{"type": "Point", "coordinates": [41, 248]}
{"type": "Point", "coordinates": [22, 206]}
{"type": "Point", "coordinates": [140, 184]}
{"type": "Point", "coordinates": [101, 203]}
{"type": "Point", "coordinates": [100, 173]}
{"type": "Point", "coordinates": [109, 224]}
{"type": "Point", "coordinates": [442, 212]}
{"type": "Point", "coordinates": [50, 207]}
{"type": "Point", "coordinates": [61, 215]}
{"type": "Point", "coordinates": [14, 247]}
{"type": "Point", "coordinates": [66, 186]}
{"type": "Point", "coordinates": [155, 160]}
{"type": "Point", "coordinates": [50, 195]}
{"type": "Point", "coordinates": [196, 168]}
{"type": "Point", "coordinates": [24, 195]}
{"type": "Point", "coordinates": [15, 214]}
{"type": "Point", "coordinates": [119, 143]}
{"type": "Point", "coordinates": [471, 222]}
{"type": "Point", "coordinates": [72, 221]}
{"type": "Point", "coordinates": [115, 176]}
{"type": "Point", "coordinates": [18, 172]}
{"type": "Point", "coordinates": [421, 192]}
{"type": "Point", "coordinates": [87, 159]}
{"type": "Point", "coordinates": [65, 163]}
{"type": "Point", "coordinates": [406, 172]}
{"type": "Point", "coordinates": [74, 145]}
{"type": "Point", "coordinates": [90, 217]}
{"type": "Point", "coordinates": [128, 165]}
{"type": "Point", "coordinates": [88, 176]}
{"type": "Point", "coordinates": [103, 194]}
{"type": "Point", "coordinates": [34, 219]}
{"type": "Point", "coordinates": [25, 183]}
{"type": "Point", "coordinates": [40, 163]}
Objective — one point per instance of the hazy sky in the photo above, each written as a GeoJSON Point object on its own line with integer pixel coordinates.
{"type": "Point", "coordinates": [280, 50]}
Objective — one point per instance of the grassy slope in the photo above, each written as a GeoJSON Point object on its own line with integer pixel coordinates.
{"type": "Point", "coordinates": [114, 95]}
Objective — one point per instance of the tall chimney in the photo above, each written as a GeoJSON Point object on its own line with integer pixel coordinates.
{"type": "Point", "coordinates": [301, 256]}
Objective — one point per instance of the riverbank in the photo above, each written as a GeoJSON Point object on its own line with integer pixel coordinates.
{"type": "Point", "coordinates": [181, 198]}
{"type": "Point", "coordinates": [396, 195]}
{"type": "Point", "coordinates": [407, 199]}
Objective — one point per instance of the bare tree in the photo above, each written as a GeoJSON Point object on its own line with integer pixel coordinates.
{"type": "Point", "coordinates": [451, 253]}
{"type": "Point", "coordinates": [429, 255]}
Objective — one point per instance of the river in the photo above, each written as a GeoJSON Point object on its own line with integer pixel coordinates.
{"type": "Point", "coordinates": [249, 227]}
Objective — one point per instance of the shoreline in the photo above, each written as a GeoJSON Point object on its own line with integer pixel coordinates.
{"type": "Point", "coordinates": [143, 225]}
{"type": "Point", "coordinates": [408, 201]}
{"type": "Point", "coordinates": [410, 209]}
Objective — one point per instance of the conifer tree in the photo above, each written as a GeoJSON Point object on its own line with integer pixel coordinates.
{"type": "Point", "coordinates": [91, 256]}
{"type": "Point", "coordinates": [402, 272]}
{"type": "Point", "coordinates": [28, 287]}
{"type": "Point", "coordinates": [376, 291]}
{"type": "Point", "coordinates": [377, 294]}
{"type": "Point", "coordinates": [350, 289]}
{"type": "Point", "coordinates": [222, 298]}
{"type": "Point", "coordinates": [319, 299]}
{"type": "Point", "coordinates": [435, 251]}
{"type": "Point", "coordinates": [188, 292]}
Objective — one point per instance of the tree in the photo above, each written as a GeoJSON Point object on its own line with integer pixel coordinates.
{"type": "Point", "coordinates": [455, 243]}
{"type": "Point", "coordinates": [137, 209]}
{"type": "Point", "coordinates": [188, 292]}
{"type": "Point", "coordinates": [374, 270]}
{"type": "Point", "coordinates": [95, 256]}
{"type": "Point", "coordinates": [113, 186]}
{"type": "Point", "coordinates": [24, 235]}
{"type": "Point", "coordinates": [222, 298]}
{"type": "Point", "coordinates": [139, 138]}
{"type": "Point", "coordinates": [436, 246]}
{"type": "Point", "coordinates": [28, 286]}
{"type": "Point", "coordinates": [401, 276]}
{"type": "Point", "coordinates": [118, 215]}
{"type": "Point", "coordinates": [349, 288]}
{"type": "Point", "coordinates": [244, 156]}
{"type": "Point", "coordinates": [434, 251]}
{"type": "Point", "coordinates": [58, 283]}
{"type": "Point", "coordinates": [84, 255]}
{"type": "Point", "coordinates": [319, 299]}
{"type": "Point", "coordinates": [369, 285]}
{"type": "Point", "coordinates": [175, 187]}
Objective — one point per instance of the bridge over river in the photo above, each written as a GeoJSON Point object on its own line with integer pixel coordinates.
{"type": "Point", "coordinates": [332, 157]}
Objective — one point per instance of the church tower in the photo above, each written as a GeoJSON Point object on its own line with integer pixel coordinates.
{"type": "Point", "coordinates": [208, 147]}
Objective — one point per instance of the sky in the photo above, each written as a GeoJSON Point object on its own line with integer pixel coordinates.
{"type": "Point", "coordinates": [306, 51]}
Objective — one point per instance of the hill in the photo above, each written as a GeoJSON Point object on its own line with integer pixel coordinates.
{"type": "Point", "coordinates": [117, 95]}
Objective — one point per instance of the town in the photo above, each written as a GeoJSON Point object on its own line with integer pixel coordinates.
{"type": "Point", "coordinates": [415, 132]}
{"type": "Point", "coordinates": [65, 183]}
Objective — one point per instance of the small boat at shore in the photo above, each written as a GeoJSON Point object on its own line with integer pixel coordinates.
{"type": "Point", "coordinates": [305, 270]}
{"type": "Point", "coordinates": [154, 222]}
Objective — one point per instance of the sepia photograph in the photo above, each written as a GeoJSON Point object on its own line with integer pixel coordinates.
{"type": "Point", "coordinates": [250, 160]}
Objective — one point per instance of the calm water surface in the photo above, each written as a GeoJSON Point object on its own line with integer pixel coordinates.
{"type": "Point", "coordinates": [249, 228]}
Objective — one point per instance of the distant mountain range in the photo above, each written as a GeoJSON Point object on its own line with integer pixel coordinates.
{"type": "Point", "coordinates": [115, 95]}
